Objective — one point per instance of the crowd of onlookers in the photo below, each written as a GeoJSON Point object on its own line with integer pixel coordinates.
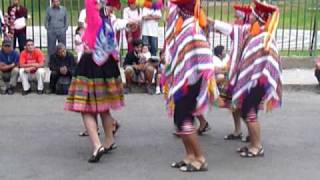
{"type": "Point", "coordinates": [141, 64]}
{"type": "Point", "coordinates": [29, 62]}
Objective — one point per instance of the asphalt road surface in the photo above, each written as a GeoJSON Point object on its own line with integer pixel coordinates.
{"type": "Point", "coordinates": [39, 141]}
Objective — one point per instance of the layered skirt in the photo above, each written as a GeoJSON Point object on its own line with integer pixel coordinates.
{"type": "Point", "coordinates": [94, 88]}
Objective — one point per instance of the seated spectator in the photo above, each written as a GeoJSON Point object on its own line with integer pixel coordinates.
{"type": "Point", "coordinates": [317, 70]}
{"type": "Point", "coordinates": [130, 64]}
{"type": "Point", "coordinates": [9, 70]}
{"type": "Point", "coordinates": [134, 66]}
{"type": "Point", "coordinates": [62, 65]}
{"type": "Point", "coordinates": [31, 67]}
{"type": "Point", "coordinates": [145, 53]}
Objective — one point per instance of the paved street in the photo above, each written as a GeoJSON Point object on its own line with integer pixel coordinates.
{"type": "Point", "coordinates": [38, 140]}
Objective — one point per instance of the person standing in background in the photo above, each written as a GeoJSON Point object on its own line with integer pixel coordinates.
{"type": "Point", "coordinates": [150, 26]}
{"type": "Point", "coordinates": [17, 24]}
{"type": "Point", "coordinates": [56, 23]}
{"type": "Point", "coordinates": [132, 12]}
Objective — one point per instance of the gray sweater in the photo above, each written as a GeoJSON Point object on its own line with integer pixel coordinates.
{"type": "Point", "coordinates": [56, 19]}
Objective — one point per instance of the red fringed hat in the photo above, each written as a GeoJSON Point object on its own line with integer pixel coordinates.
{"type": "Point", "coordinates": [242, 10]}
{"type": "Point", "coordinates": [114, 3]}
{"type": "Point", "coordinates": [185, 4]}
{"type": "Point", "coordinates": [263, 11]}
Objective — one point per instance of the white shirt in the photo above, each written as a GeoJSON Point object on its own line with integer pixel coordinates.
{"type": "Point", "coordinates": [150, 27]}
{"type": "Point", "coordinates": [220, 63]}
{"type": "Point", "coordinates": [131, 14]}
{"type": "Point", "coordinates": [82, 17]}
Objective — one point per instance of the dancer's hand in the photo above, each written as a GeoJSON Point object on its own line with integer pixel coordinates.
{"type": "Point", "coordinates": [210, 21]}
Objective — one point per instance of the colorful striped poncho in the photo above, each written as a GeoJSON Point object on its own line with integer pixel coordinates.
{"type": "Point", "coordinates": [188, 59]}
{"type": "Point", "coordinates": [251, 65]}
{"type": "Point", "coordinates": [257, 66]}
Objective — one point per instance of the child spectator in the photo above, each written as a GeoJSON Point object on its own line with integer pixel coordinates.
{"type": "Point", "coordinates": [145, 54]}
{"type": "Point", "coordinates": [78, 42]}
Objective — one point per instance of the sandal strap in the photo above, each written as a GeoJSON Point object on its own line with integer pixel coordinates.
{"type": "Point", "coordinates": [178, 164]}
{"type": "Point", "coordinates": [232, 136]}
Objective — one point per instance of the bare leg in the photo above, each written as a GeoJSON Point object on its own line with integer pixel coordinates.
{"type": "Point", "coordinates": [107, 122]}
{"type": "Point", "coordinates": [85, 132]}
{"type": "Point", "coordinates": [192, 141]}
{"type": "Point", "coordinates": [202, 121]}
{"type": "Point", "coordinates": [189, 151]}
{"type": "Point", "coordinates": [129, 74]}
{"type": "Point", "coordinates": [255, 136]}
{"type": "Point", "coordinates": [237, 122]}
{"type": "Point", "coordinates": [90, 123]}
{"type": "Point", "coordinates": [149, 74]}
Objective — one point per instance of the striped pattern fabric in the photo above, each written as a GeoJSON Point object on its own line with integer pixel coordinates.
{"type": "Point", "coordinates": [188, 59]}
{"type": "Point", "coordinates": [237, 34]}
{"type": "Point", "coordinates": [259, 67]}
{"type": "Point", "coordinates": [105, 44]}
{"type": "Point", "coordinates": [94, 95]}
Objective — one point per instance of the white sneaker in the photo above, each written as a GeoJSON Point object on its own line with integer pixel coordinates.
{"type": "Point", "coordinates": [158, 90]}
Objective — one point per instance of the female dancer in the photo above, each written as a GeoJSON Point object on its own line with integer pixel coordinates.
{"type": "Point", "coordinates": [97, 87]}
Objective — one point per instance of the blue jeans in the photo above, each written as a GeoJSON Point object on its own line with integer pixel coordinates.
{"type": "Point", "coordinates": [152, 42]}
{"type": "Point", "coordinates": [22, 38]}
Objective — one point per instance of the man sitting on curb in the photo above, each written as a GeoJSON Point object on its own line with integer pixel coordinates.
{"type": "Point", "coordinates": [9, 60]}
{"type": "Point", "coordinates": [62, 65]}
{"type": "Point", "coordinates": [31, 67]}
{"type": "Point", "coordinates": [138, 69]}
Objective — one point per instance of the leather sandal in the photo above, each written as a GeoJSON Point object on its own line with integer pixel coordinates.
{"type": "Point", "coordinates": [96, 158]}
{"type": "Point", "coordinates": [192, 168]}
{"type": "Point", "coordinates": [178, 164]}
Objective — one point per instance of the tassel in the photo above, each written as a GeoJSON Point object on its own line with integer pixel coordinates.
{"type": "Point", "coordinates": [202, 19]}
{"type": "Point", "coordinates": [255, 29]}
{"type": "Point", "coordinates": [178, 26]}
{"type": "Point", "coordinates": [196, 13]}
{"type": "Point", "coordinates": [271, 25]}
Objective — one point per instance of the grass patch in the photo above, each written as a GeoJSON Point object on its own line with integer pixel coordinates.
{"type": "Point", "coordinates": [294, 13]}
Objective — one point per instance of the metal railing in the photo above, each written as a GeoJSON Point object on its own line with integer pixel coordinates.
{"type": "Point", "coordinates": [297, 31]}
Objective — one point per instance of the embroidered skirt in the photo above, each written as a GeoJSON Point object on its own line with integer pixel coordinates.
{"type": "Point", "coordinates": [95, 88]}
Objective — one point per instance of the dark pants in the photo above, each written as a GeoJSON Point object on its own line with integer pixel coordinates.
{"type": "Point", "coordinates": [317, 74]}
{"type": "Point", "coordinates": [184, 108]}
{"type": "Point", "coordinates": [152, 42]}
{"type": "Point", "coordinates": [252, 101]}
{"type": "Point", "coordinates": [21, 40]}
{"type": "Point", "coordinates": [54, 77]}
{"type": "Point", "coordinates": [53, 37]}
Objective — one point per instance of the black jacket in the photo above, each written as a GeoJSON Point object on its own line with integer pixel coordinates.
{"type": "Point", "coordinates": [57, 62]}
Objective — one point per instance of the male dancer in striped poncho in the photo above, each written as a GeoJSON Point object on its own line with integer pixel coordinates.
{"type": "Point", "coordinates": [189, 76]}
{"type": "Point", "coordinates": [255, 79]}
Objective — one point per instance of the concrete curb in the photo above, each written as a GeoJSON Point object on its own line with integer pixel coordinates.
{"type": "Point", "coordinates": [298, 62]}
